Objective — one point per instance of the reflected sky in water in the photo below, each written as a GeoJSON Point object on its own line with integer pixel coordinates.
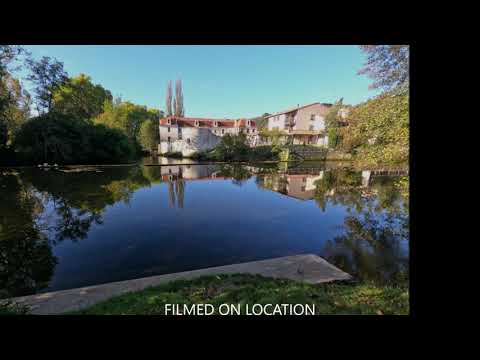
{"type": "Point", "coordinates": [62, 230]}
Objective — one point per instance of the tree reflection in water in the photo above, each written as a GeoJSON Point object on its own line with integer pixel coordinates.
{"type": "Point", "coordinates": [374, 240]}
{"type": "Point", "coordinates": [39, 209]}
{"type": "Point", "coordinates": [26, 259]}
{"type": "Point", "coordinates": [29, 227]}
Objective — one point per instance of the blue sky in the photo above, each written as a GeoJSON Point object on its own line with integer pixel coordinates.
{"type": "Point", "coordinates": [221, 81]}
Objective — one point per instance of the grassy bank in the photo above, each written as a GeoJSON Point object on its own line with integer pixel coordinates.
{"type": "Point", "coordinates": [364, 299]}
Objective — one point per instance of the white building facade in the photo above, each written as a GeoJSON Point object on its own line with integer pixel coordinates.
{"type": "Point", "coordinates": [191, 135]}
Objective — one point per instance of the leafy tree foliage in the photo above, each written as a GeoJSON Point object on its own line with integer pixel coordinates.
{"type": "Point", "coordinates": [15, 108]}
{"type": "Point", "coordinates": [332, 123]}
{"type": "Point", "coordinates": [80, 98]}
{"type": "Point", "coordinates": [378, 131]}
{"type": "Point", "coordinates": [47, 75]}
{"type": "Point", "coordinates": [55, 138]}
{"type": "Point", "coordinates": [388, 66]}
{"type": "Point", "coordinates": [233, 147]}
{"type": "Point", "coordinates": [332, 117]}
{"type": "Point", "coordinates": [149, 135]}
{"type": "Point", "coordinates": [14, 100]}
{"type": "Point", "coordinates": [126, 117]}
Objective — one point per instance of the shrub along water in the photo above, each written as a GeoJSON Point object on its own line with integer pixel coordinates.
{"type": "Point", "coordinates": [57, 138]}
{"type": "Point", "coordinates": [236, 148]}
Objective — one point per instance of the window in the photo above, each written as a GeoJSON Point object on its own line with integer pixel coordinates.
{"type": "Point", "coordinates": [168, 139]}
{"type": "Point", "coordinates": [223, 131]}
{"type": "Point", "coordinates": [312, 117]}
{"type": "Point", "coordinates": [303, 188]}
{"type": "Point", "coordinates": [197, 123]}
{"type": "Point", "coordinates": [168, 121]}
{"type": "Point", "coordinates": [169, 129]}
{"type": "Point", "coordinates": [248, 131]}
{"type": "Point", "coordinates": [188, 141]}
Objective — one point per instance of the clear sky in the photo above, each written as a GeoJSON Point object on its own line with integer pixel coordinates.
{"type": "Point", "coordinates": [221, 81]}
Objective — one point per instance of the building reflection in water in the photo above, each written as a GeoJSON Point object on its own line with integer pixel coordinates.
{"type": "Point", "coordinates": [39, 212]}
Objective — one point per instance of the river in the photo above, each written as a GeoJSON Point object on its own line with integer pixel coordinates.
{"type": "Point", "coordinates": [63, 229]}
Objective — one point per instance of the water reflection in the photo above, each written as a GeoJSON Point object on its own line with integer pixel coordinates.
{"type": "Point", "coordinates": [26, 259]}
{"type": "Point", "coordinates": [365, 231]}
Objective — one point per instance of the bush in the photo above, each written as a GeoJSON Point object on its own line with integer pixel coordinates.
{"type": "Point", "coordinates": [233, 147]}
{"type": "Point", "coordinates": [174, 154]}
{"type": "Point", "coordinates": [378, 131]}
{"type": "Point", "coordinates": [259, 153]}
{"type": "Point", "coordinates": [265, 152]}
{"type": "Point", "coordinates": [56, 138]}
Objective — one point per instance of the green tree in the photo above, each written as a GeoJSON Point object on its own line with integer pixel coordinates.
{"type": "Point", "coordinates": [149, 136]}
{"type": "Point", "coordinates": [47, 75]}
{"type": "Point", "coordinates": [332, 116]}
{"type": "Point", "coordinates": [378, 131]}
{"type": "Point", "coordinates": [54, 138]}
{"type": "Point", "coordinates": [233, 147]}
{"type": "Point", "coordinates": [15, 108]}
{"type": "Point", "coordinates": [126, 117]}
{"type": "Point", "coordinates": [80, 98]}
{"type": "Point", "coordinates": [332, 119]}
{"type": "Point", "coordinates": [14, 100]}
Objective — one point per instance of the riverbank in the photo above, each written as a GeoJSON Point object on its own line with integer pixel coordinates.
{"type": "Point", "coordinates": [307, 268]}
{"type": "Point", "coordinates": [244, 289]}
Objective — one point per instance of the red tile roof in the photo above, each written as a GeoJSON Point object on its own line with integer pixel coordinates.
{"type": "Point", "coordinates": [204, 122]}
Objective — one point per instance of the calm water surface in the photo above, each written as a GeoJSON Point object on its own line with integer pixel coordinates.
{"type": "Point", "coordinates": [61, 230]}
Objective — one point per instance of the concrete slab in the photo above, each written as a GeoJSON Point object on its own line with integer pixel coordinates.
{"type": "Point", "coordinates": [308, 268]}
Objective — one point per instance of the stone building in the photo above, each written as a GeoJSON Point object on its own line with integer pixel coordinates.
{"type": "Point", "coordinates": [190, 135]}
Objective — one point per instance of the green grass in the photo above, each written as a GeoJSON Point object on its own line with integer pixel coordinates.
{"type": "Point", "coordinates": [9, 308]}
{"type": "Point", "coordinates": [364, 299]}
